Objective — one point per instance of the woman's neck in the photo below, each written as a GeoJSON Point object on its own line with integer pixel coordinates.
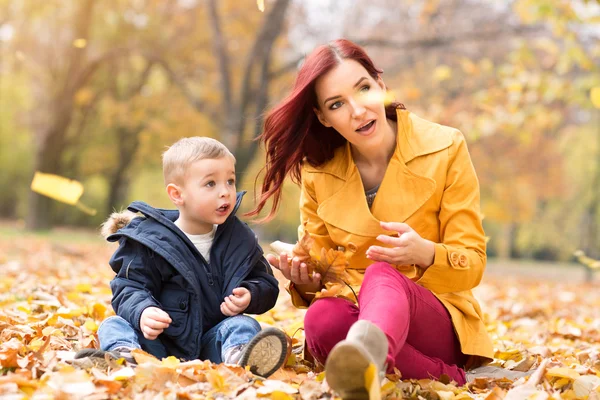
{"type": "Point", "coordinates": [378, 155]}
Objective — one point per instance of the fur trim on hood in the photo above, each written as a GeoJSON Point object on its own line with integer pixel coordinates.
{"type": "Point", "coordinates": [116, 221]}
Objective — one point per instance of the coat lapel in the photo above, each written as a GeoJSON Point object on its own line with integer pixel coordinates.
{"type": "Point", "coordinates": [402, 192]}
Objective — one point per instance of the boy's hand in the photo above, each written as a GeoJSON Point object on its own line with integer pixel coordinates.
{"type": "Point", "coordinates": [153, 322]}
{"type": "Point", "coordinates": [237, 302]}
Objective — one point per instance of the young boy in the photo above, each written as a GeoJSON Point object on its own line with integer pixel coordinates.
{"type": "Point", "coordinates": [184, 277]}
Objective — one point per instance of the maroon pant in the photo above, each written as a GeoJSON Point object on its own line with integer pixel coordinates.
{"type": "Point", "coordinates": [422, 342]}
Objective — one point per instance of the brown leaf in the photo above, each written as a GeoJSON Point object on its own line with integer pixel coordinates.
{"type": "Point", "coordinates": [332, 266]}
{"type": "Point", "coordinates": [302, 250]}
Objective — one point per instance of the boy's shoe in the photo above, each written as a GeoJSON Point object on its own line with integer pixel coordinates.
{"type": "Point", "coordinates": [264, 354]}
{"type": "Point", "coordinates": [348, 361]}
{"type": "Point", "coordinates": [493, 372]}
{"type": "Point", "coordinates": [119, 352]}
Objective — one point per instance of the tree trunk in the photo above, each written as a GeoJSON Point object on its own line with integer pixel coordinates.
{"type": "Point", "coordinates": [47, 159]}
{"type": "Point", "coordinates": [118, 184]}
{"type": "Point", "coordinates": [51, 145]}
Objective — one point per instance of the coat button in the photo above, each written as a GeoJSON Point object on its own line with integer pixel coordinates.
{"type": "Point", "coordinates": [463, 261]}
{"type": "Point", "coordinates": [454, 259]}
{"type": "Point", "coordinates": [182, 306]}
{"type": "Point", "coordinates": [352, 247]}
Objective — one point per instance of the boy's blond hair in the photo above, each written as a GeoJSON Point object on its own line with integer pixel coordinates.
{"type": "Point", "coordinates": [186, 151]}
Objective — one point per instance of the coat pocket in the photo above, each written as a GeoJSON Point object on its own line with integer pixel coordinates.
{"type": "Point", "coordinates": [176, 302]}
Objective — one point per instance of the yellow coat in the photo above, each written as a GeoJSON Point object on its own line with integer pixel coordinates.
{"type": "Point", "coordinates": [431, 185]}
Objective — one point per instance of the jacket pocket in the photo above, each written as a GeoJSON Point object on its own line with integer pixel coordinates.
{"type": "Point", "coordinates": [175, 301]}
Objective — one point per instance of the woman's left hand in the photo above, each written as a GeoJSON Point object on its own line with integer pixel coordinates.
{"type": "Point", "coordinates": [406, 249]}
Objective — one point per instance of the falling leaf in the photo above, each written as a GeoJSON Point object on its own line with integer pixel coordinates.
{"type": "Point", "coordinates": [60, 189]}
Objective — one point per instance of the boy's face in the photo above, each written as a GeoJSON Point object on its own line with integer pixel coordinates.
{"type": "Point", "coordinates": [208, 194]}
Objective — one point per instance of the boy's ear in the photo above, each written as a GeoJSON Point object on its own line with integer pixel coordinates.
{"type": "Point", "coordinates": [321, 117]}
{"type": "Point", "coordinates": [175, 194]}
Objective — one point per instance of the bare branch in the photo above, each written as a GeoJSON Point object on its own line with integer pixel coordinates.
{"type": "Point", "coordinates": [426, 43]}
{"type": "Point", "coordinates": [220, 49]}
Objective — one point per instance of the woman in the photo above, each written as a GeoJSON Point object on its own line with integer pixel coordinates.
{"type": "Point", "coordinates": [399, 195]}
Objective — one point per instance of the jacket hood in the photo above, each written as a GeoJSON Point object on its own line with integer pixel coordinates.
{"type": "Point", "coordinates": [119, 220]}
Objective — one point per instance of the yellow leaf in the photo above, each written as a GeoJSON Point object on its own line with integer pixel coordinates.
{"type": "Point", "coordinates": [278, 395]}
{"type": "Point", "coordinates": [261, 5]}
{"type": "Point", "coordinates": [216, 380]}
{"type": "Point", "coordinates": [171, 362]}
{"type": "Point", "coordinates": [90, 325]}
{"type": "Point", "coordinates": [372, 382]}
{"type": "Point", "coordinates": [442, 73]}
{"type": "Point", "coordinates": [83, 288]}
{"type": "Point", "coordinates": [595, 96]}
{"type": "Point", "coordinates": [57, 187]}
{"type": "Point", "coordinates": [79, 43]}
{"type": "Point", "coordinates": [84, 96]}
{"type": "Point", "coordinates": [142, 357]}
{"type": "Point", "coordinates": [562, 372]}
{"type": "Point", "coordinates": [97, 311]}
{"type": "Point", "coordinates": [60, 189]}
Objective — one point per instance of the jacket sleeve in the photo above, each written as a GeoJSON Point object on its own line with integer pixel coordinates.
{"type": "Point", "coordinates": [460, 257]}
{"type": "Point", "coordinates": [263, 287]}
{"type": "Point", "coordinates": [309, 220]}
{"type": "Point", "coordinates": [136, 283]}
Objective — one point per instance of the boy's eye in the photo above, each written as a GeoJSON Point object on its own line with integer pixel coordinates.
{"type": "Point", "coordinates": [231, 182]}
{"type": "Point", "coordinates": [210, 184]}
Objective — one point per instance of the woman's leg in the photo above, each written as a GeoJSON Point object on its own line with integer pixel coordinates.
{"type": "Point", "coordinates": [326, 323]}
{"type": "Point", "coordinates": [422, 342]}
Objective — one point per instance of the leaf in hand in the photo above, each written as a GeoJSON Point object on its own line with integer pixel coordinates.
{"type": "Point", "coordinates": [332, 266]}
{"type": "Point", "coordinates": [302, 251]}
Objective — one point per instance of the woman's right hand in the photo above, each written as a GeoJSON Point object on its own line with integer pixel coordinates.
{"type": "Point", "coordinates": [297, 272]}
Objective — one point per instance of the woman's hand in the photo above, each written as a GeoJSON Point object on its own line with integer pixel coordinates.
{"type": "Point", "coordinates": [407, 249]}
{"type": "Point", "coordinates": [297, 272]}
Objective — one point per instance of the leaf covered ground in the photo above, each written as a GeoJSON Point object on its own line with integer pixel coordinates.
{"type": "Point", "coordinates": [54, 295]}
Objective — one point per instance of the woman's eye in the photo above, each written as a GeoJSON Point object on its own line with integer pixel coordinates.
{"type": "Point", "coordinates": [365, 88]}
{"type": "Point", "coordinates": [335, 105]}
{"type": "Point", "coordinates": [210, 184]}
{"type": "Point", "coordinates": [231, 182]}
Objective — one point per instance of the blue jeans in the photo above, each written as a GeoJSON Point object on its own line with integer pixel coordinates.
{"type": "Point", "coordinates": [116, 332]}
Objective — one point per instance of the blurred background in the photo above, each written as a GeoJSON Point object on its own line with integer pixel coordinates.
{"type": "Point", "coordinates": [95, 90]}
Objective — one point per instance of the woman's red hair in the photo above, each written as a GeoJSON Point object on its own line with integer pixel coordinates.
{"type": "Point", "coordinates": [292, 132]}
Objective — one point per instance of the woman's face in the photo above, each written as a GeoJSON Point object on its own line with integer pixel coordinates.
{"type": "Point", "coordinates": [352, 102]}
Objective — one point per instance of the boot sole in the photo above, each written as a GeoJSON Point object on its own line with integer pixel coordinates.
{"type": "Point", "coordinates": [266, 352]}
{"type": "Point", "coordinates": [345, 370]}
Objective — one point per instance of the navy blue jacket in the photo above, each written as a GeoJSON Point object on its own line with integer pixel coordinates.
{"type": "Point", "coordinates": [158, 266]}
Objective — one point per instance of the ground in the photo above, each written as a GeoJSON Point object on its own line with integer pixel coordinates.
{"type": "Point", "coordinates": [54, 292]}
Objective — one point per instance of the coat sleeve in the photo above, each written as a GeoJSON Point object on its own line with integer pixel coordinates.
{"type": "Point", "coordinates": [309, 220]}
{"type": "Point", "coordinates": [136, 283]}
{"type": "Point", "coordinates": [460, 257]}
{"type": "Point", "coordinates": [263, 287]}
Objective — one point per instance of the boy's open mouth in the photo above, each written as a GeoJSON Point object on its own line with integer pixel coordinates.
{"type": "Point", "coordinates": [223, 208]}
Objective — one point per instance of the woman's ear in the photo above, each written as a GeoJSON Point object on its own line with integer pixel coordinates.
{"type": "Point", "coordinates": [321, 117]}
{"type": "Point", "coordinates": [381, 83]}
{"type": "Point", "coordinates": [175, 194]}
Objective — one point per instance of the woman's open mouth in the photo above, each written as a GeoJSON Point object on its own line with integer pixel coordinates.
{"type": "Point", "coordinates": [366, 128]}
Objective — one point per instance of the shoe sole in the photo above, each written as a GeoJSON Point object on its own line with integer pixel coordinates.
{"type": "Point", "coordinates": [266, 352]}
{"type": "Point", "coordinates": [345, 370]}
